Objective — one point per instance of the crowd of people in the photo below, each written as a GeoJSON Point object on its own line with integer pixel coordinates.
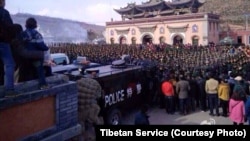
{"type": "Point", "coordinates": [204, 77]}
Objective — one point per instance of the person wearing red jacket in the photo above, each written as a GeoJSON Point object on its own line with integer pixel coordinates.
{"type": "Point", "coordinates": [168, 92]}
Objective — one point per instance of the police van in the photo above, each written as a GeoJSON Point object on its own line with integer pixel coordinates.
{"type": "Point", "coordinates": [124, 89]}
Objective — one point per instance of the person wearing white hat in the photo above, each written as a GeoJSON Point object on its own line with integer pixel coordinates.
{"type": "Point", "coordinates": [240, 87]}
{"type": "Point", "coordinates": [238, 78]}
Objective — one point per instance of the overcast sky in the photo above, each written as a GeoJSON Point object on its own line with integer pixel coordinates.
{"type": "Point", "coordinates": [90, 11]}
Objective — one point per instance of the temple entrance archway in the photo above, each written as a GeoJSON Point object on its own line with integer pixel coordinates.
{"type": "Point", "coordinates": [162, 39]}
{"type": "Point", "coordinates": [147, 39]}
{"type": "Point", "coordinates": [177, 40]}
{"type": "Point", "coordinates": [133, 40]}
{"type": "Point", "coordinates": [195, 40]}
{"type": "Point", "coordinates": [112, 40]}
{"type": "Point", "coordinates": [122, 40]}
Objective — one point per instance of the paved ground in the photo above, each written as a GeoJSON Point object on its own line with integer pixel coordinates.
{"type": "Point", "coordinates": [160, 117]}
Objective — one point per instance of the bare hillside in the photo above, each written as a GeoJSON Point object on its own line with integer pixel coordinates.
{"type": "Point", "coordinates": [61, 30]}
{"type": "Point", "coordinates": [231, 11]}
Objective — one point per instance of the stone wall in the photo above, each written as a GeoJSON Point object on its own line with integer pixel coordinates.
{"type": "Point", "coordinates": [35, 114]}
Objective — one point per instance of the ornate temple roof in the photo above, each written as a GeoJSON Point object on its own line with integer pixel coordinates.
{"type": "Point", "coordinates": [159, 7]}
{"type": "Point", "coordinates": [150, 4]}
{"type": "Point", "coordinates": [182, 3]}
{"type": "Point", "coordinates": [188, 3]}
{"type": "Point", "coordinates": [129, 8]}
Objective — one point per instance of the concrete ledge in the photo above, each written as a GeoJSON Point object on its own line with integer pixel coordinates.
{"type": "Point", "coordinates": [65, 134]}
{"type": "Point", "coordinates": [32, 85]}
{"type": "Point", "coordinates": [35, 95]}
{"type": "Point", "coordinates": [42, 113]}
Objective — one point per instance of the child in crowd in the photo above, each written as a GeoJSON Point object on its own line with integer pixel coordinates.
{"type": "Point", "coordinates": [34, 41]}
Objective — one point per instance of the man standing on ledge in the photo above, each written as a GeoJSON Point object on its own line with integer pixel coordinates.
{"type": "Point", "coordinates": [5, 52]}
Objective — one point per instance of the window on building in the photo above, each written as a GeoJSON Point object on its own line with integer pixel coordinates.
{"type": "Point", "coordinates": [133, 31]}
{"type": "Point", "coordinates": [239, 40]}
{"type": "Point", "coordinates": [112, 33]}
{"type": "Point", "coordinates": [194, 28]}
{"type": "Point", "coordinates": [162, 31]}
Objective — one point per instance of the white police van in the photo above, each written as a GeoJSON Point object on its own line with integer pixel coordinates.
{"type": "Point", "coordinates": [63, 63]}
{"type": "Point", "coordinates": [60, 58]}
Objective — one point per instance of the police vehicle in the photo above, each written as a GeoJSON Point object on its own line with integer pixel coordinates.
{"type": "Point", "coordinates": [124, 88]}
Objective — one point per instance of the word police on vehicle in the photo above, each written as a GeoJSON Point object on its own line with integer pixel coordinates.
{"type": "Point", "coordinates": [121, 95]}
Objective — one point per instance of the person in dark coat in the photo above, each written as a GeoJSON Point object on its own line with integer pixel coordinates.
{"type": "Point", "coordinates": [193, 97]}
{"type": "Point", "coordinates": [203, 97]}
{"type": "Point", "coordinates": [34, 41]}
{"type": "Point", "coordinates": [7, 65]}
{"type": "Point", "coordinates": [247, 110]}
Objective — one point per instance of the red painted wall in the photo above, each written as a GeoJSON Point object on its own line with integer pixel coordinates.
{"type": "Point", "coordinates": [26, 119]}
